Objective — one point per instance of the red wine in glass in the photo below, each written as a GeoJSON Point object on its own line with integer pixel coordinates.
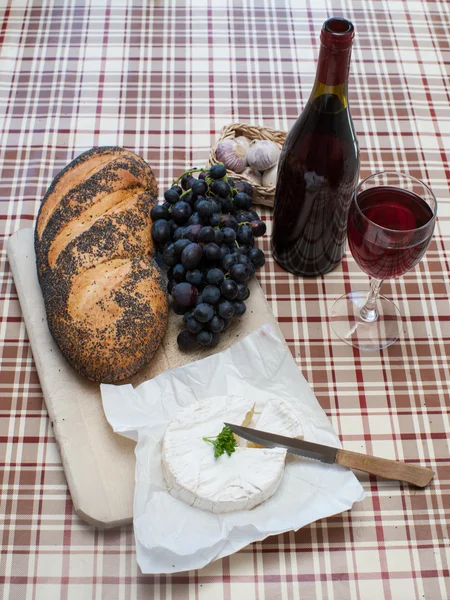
{"type": "Point", "coordinates": [390, 225]}
{"type": "Point", "coordinates": [383, 230]}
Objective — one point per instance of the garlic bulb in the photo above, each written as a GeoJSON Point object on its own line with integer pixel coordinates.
{"type": "Point", "coordinates": [253, 175]}
{"type": "Point", "coordinates": [232, 155]}
{"type": "Point", "coordinates": [243, 141]}
{"type": "Point", "coordinates": [263, 154]}
{"type": "Point", "coordinates": [269, 177]}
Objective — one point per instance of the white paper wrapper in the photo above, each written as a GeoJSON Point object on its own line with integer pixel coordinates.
{"type": "Point", "coordinates": [172, 536]}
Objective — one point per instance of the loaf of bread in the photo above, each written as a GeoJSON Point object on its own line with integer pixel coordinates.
{"type": "Point", "coordinates": [104, 294]}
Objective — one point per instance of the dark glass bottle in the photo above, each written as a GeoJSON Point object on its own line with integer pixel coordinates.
{"type": "Point", "coordinates": [319, 166]}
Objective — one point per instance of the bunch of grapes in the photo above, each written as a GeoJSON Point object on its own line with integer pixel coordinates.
{"type": "Point", "coordinates": [205, 233]}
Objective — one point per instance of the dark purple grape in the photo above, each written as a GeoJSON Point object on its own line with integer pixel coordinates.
{"type": "Point", "coordinates": [230, 182]}
{"type": "Point", "coordinates": [229, 261]}
{"type": "Point", "coordinates": [239, 308]}
{"type": "Point", "coordinates": [212, 252]}
{"type": "Point", "coordinates": [177, 188]}
{"type": "Point", "coordinates": [187, 315]}
{"type": "Point", "coordinates": [215, 276]}
{"type": "Point", "coordinates": [195, 277]}
{"type": "Point", "coordinates": [214, 220]}
{"type": "Point", "coordinates": [179, 233]}
{"type": "Point", "coordinates": [199, 188]}
{"type": "Point", "coordinates": [190, 182]}
{"type": "Point", "coordinates": [246, 216]}
{"type": "Point", "coordinates": [202, 175]}
{"type": "Point", "coordinates": [243, 259]}
{"type": "Point", "coordinates": [217, 208]}
{"type": "Point", "coordinates": [195, 219]}
{"type": "Point", "coordinates": [181, 212]}
{"type": "Point", "coordinates": [229, 221]}
{"type": "Point", "coordinates": [216, 324]}
{"type": "Point", "coordinates": [226, 325]}
{"type": "Point", "coordinates": [218, 237]}
{"type": "Point", "coordinates": [258, 228]}
{"type": "Point", "coordinates": [190, 199]}
{"type": "Point", "coordinates": [191, 255]}
{"type": "Point", "coordinates": [159, 212]}
{"type": "Point", "coordinates": [243, 292]}
{"type": "Point", "coordinates": [161, 231]}
{"type": "Point", "coordinates": [225, 309]}
{"type": "Point", "coordinates": [203, 312]}
{"type": "Point", "coordinates": [243, 216]}
{"type": "Point", "coordinates": [244, 249]}
{"type": "Point", "coordinates": [180, 245]}
{"type": "Point", "coordinates": [191, 232]}
{"type": "Point", "coordinates": [171, 196]}
{"type": "Point", "coordinates": [214, 340]}
{"type": "Point", "coordinates": [186, 340]}
{"type": "Point", "coordinates": [193, 325]}
{"type": "Point", "coordinates": [170, 284]}
{"type": "Point", "coordinates": [256, 255]}
{"type": "Point", "coordinates": [167, 206]}
{"type": "Point", "coordinates": [224, 250]}
{"type": "Point", "coordinates": [229, 289]}
{"type": "Point", "coordinates": [217, 171]}
{"type": "Point", "coordinates": [211, 294]}
{"type": "Point", "coordinates": [204, 209]}
{"type": "Point", "coordinates": [173, 228]}
{"type": "Point", "coordinates": [220, 188]}
{"type": "Point", "coordinates": [178, 309]}
{"type": "Point", "coordinates": [240, 273]}
{"type": "Point", "coordinates": [204, 337]}
{"type": "Point", "coordinates": [184, 181]}
{"type": "Point", "coordinates": [226, 205]}
{"type": "Point", "coordinates": [170, 257]}
{"type": "Point", "coordinates": [179, 273]}
{"type": "Point", "coordinates": [206, 235]}
{"type": "Point", "coordinates": [242, 200]}
{"type": "Point", "coordinates": [185, 294]}
{"type": "Point", "coordinates": [229, 236]}
{"type": "Point", "coordinates": [199, 199]}
{"type": "Point", "coordinates": [244, 187]}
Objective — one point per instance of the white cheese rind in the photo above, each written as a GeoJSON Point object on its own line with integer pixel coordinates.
{"type": "Point", "coordinates": [278, 417]}
{"type": "Point", "coordinates": [224, 484]}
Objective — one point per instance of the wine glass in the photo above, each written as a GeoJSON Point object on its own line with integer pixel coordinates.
{"type": "Point", "coordinates": [390, 224]}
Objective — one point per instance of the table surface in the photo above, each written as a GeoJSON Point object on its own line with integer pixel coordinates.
{"type": "Point", "coordinates": [163, 80]}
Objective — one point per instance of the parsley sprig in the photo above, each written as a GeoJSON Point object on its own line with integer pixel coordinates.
{"type": "Point", "coordinates": [224, 442]}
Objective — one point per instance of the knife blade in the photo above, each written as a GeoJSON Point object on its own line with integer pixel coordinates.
{"type": "Point", "coordinates": [382, 467]}
{"type": "Point", "coordinates": [325, 454]}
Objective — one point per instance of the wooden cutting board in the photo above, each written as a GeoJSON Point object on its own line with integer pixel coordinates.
{"type": "Point", "coordinates": [99, 464]}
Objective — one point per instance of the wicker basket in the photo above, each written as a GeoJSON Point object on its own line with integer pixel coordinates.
{"type": "Point", "coordinates": [261, 195]}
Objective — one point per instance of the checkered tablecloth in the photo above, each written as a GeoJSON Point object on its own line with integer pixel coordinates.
{"type": "Point", "coordinates": [162, 78]}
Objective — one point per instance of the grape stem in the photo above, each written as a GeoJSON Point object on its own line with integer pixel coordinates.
{"type": "Point", "coordinates": [187, 173]}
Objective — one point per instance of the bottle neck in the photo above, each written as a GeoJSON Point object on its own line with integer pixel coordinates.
{"type": "Point", "coordinates": [332, 70]}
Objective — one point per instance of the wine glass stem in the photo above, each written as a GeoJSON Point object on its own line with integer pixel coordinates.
{"type": "Point", "coordinates": [369, 311]}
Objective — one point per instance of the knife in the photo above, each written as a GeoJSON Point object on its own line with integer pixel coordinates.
{"type": "Point", "coordinates": [383, 467]}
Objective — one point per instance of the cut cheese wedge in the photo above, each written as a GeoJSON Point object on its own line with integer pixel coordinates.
{"type": "Point", "coordinates": [238, 482]}
{"type": "Point", "coordinates": [278, 417]}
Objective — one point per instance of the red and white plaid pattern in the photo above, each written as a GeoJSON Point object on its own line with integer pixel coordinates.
{"type": "Point", "coordinates": [162, 79]}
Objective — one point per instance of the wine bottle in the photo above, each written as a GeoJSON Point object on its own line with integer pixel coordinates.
{"type": "Point", "coordinates": [319, 166]}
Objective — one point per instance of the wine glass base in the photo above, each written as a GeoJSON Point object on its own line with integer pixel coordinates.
{"type": "Point", "coordinates": [351, 329]}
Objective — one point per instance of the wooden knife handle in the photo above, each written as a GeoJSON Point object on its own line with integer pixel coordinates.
{"type": "Point", "coordinates": [383, 467]}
